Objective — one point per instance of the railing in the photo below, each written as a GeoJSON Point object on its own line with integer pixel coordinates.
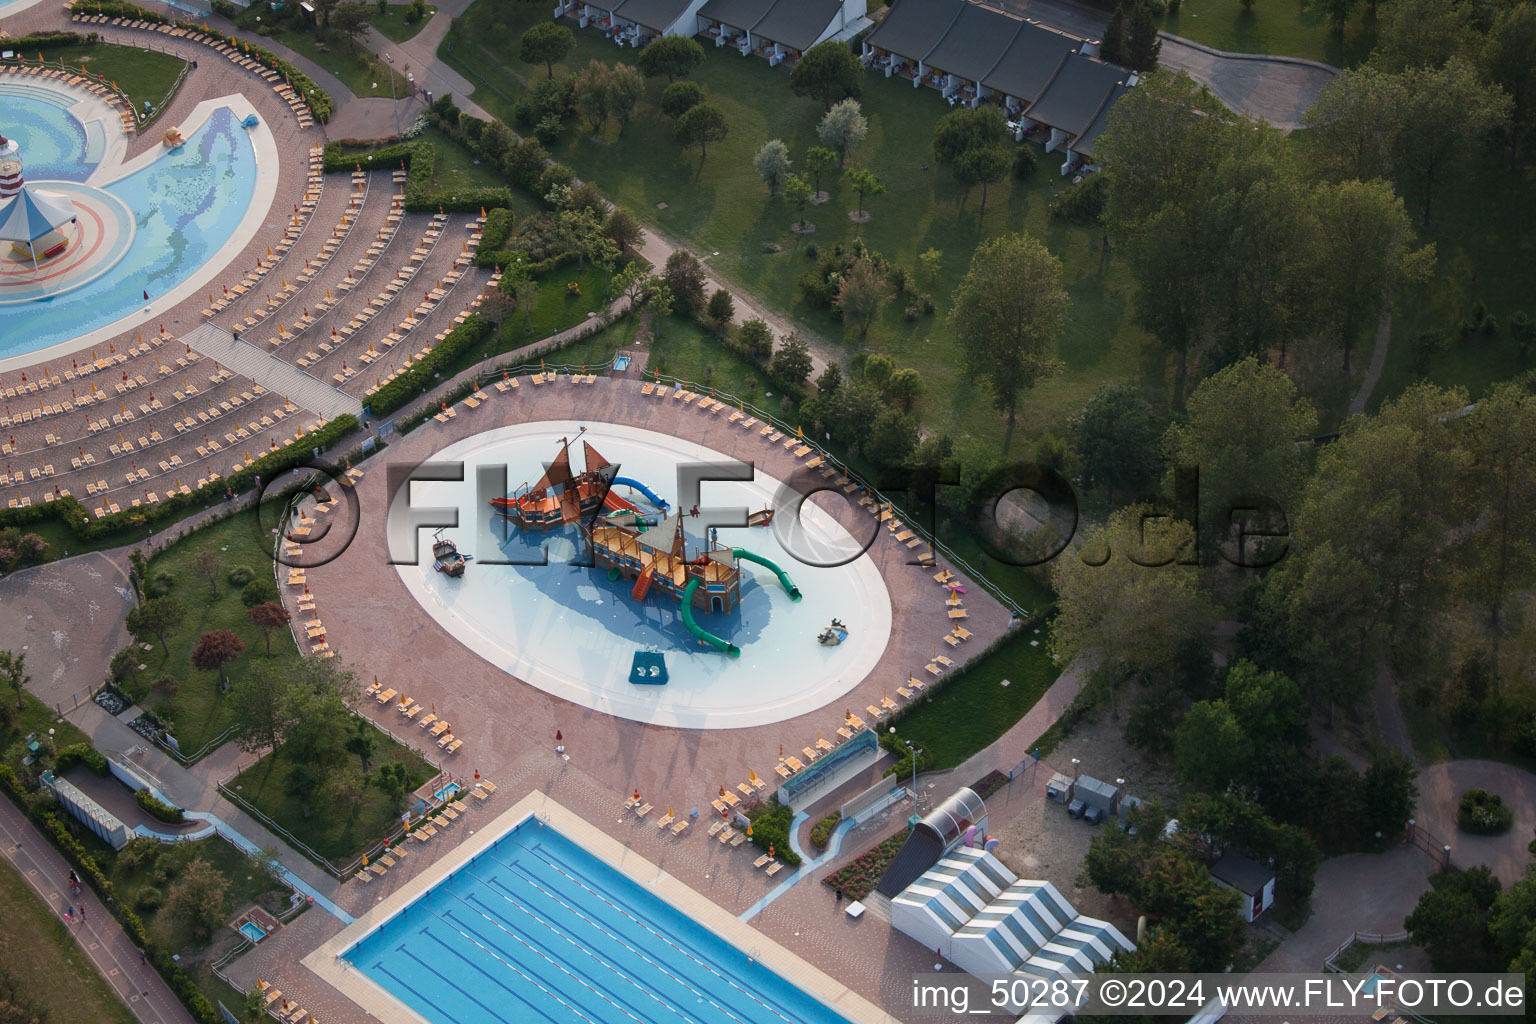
{"type": "Point", "coordinates": [141, 120]}
{"type": "Point", "coordinates": [1429, 843]}
{"type": "Point", "coordinates": [1365, 938]}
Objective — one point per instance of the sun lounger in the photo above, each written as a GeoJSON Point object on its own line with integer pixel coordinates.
{"type": "Point", "coordinates": [453, 748]}
{"type": "Point", "coordinates": [794, 763]}
{"type": "Point", "coordinates": [487, 785]}
{"type": "Point", "coordinates": [377, 868]}
{"type": "Point", "coordinates": [934, 669]}
{"type": "Point", "coordinates": [363, 876]}
{"type": "Point", "coordinates": [665, 820]}
{"type": "Point", "coordinates": [643, 810]}
{"type": "Point", "coordinates": [944, 661]}
{"type": "Point", "coordinates": [746, 789]}
{"type": "Point", "coordinates": [825, 746]}
{"type": "Point", "coordinates": [386, 696]}
{"type": "Point", "coordinates": [783, 771]}
{"type": "Point", "coordinates": [732, 799]}
{"type": "Point", "coordinates": [773, 868]}
{"type": "Point", "coordinates": [958, 613]}
{"type": "Point", "coordinates": [764, 859]}
{"type": "Point", "coordinates": [445, 739]}
{"type": "Point", "coordinates": [811, 754]}
{"type": "Point", "coordinates": [963, 633]}
{"type": "Point", "coordinates": [845, 732]}
{"type": "Point", "coordinates": [739, 838]}
{"type": "Point", "coordinates": [678, 828]}
{"type": "Point", "coordinates": [719, 806]}
{"type": "Point", "coordinates": [906, 694]}
{"type": "Point", "coordinates": [726, 835]}
{"type": "Point", "coordinates": [426, 721]}
{"type": "Point", "coordinates": [714, 829]}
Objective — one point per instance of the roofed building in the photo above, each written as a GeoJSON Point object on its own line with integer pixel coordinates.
{"type": "Point", "coordinates": [780, 30]}
{"type": "Point", "coordinates": [635, 22]}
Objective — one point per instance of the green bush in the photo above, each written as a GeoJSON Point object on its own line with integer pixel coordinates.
{"type": "Point", "coordinates": [81, 753]}
{"type": "Point", "coordinates": [770, 827]}
{"type": "Point", "coordinates": [821, 832]}
{"type": "Point", "coordinates": [411, 383]}
{"type": "Point", "coordinates": [1483, 814]}
{"type": "Point", "coordinates": [159, 808]}
{"type": "Point", "coordinates": [240, 575]}
{"type": "Point", "coordinates": [43, 41]}
{"type": "Point", "coordinates": [1083, 203]}
{"type": "Point", "coordinates": [260, 590]}
{"type": "Point", "coordinates": [159, 585]}
{"type": "Point", "coordinates": [149, 899]}
{"type": "Point", "coordinates": [492, 251]}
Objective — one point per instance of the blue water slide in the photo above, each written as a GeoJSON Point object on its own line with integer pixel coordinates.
{"type": "Point", "coordinates": [624, 481]}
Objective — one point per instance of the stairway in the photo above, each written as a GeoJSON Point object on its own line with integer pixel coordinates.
{"type": "Point", "coordinates": [271, 372]}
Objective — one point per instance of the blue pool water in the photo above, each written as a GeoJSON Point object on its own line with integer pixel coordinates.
{"type": "Point", "coordinates": [252, 931]}
{"type": "Point", "coordinates": [185, 206]}
{"type": "Point", "coordinates": [537, 929]}
{"type": "Point", "coordinates": [621, 364]}
{"type": "Point", "coordinates": [52, 141]}
{"type": "Point", "coordinates": [446, 792]}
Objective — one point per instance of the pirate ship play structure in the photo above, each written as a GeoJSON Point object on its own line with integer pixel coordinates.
{"type": "Point", "coordinates": [651, 548]}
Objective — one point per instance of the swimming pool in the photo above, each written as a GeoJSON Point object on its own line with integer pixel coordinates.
{"type": "Point", "coordinates": [185, 205]}
{"type": "Point", "coordinates": [536, 928]}
{"type": "Point", "coordinates": [252, 931]}
{"type": "Point", "coordinates": [446, 792]}
{"type": "Point", "coordinates": [572, 632]}
{"type": "Point", "coordinates": [53, 142]}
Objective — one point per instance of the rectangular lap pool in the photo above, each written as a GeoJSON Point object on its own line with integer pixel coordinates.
{"type": "Point", "coordinates": [535, 928]}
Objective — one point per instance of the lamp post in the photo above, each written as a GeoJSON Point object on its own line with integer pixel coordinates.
{"type": "Point", "coordinates": [914, 753]}
{"type": "Point", "coordinates": [392, 97]}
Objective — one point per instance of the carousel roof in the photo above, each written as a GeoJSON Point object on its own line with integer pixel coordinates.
{"type": "Point", "coordinates": [30, 216]}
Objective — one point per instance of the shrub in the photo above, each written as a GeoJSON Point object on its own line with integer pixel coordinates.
{"type": "Point", "coordinates": [1483, 814]}
{"type": "Point", "coordinates": [821, 832]}
{"type": "Point", "coordinates": [858, 878]}
{"type": "Point", "coordinates": [770, 827]}
{"type": "Point", "coordinates": [411, 383]}
{"type": "Point", "coordinates": [158, 808]}
{"type": "Point", "coordinates": [989, 783]}
{"type": "Point", "coordinates": [1024, 161]}
{"type": "Point", "coordinates": [1083, 203]}
{"type": "Point", "coordinates": [260, 590]}
{"type": "Point", "coordinates": [81, 753]}
{"type": "Point", "coordinates": [159, 584]}
{"type": "Point", "coordinates": [240, 575]}
{"type": "Point", "coordinates": [149, 899]}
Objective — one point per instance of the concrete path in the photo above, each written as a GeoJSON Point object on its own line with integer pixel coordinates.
{"type": "Point", "coordinates": [1440, 789]}
{"type": "Point", "coordinates": [1389, 713]}
{"type": "Point", "coordinates": [67, 617]}
{"type": "Point", "coordinates": [101, 938]}
{"type": "Point", "coordinates": [420, 53]}
{"type": "Point", "coordinates": [1373, 371]}
{"type": "Point", "coordinates": [279, 377]}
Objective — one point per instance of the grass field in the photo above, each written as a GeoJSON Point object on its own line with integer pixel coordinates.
{"type": "Point", "coordinates": [1288, 27]}
{"type": "Point", "coordinates": [197, 711]}
{"type": "Point", "coordinates": [247, 885]}
{"type": "Point", "coordinates": [56, 982]}
{"type": "Point", "coordinates": [723, 207]}
{"type": "Point", "coordinates": [362, 72]}
{"type": "Point", "coordinates": [393, 25]}
{"type": "Point", "coordinates": [145, 75]}
{"type": "Point", "coordinates": [975, 708]}
{"type": "Point", "coordinates": [453, 167]}
{"type": "Point", "coordinates": [33, 717]}
{"type": "Point", "coordinates": [334, 833]}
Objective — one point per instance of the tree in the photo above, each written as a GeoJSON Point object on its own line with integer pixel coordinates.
{"type": "Point", "coordinates": [526, 292]}
{"type": "Point", "coordinates": [1009, 308]}
{"type": "Point", "coordinates": [1112, 46]}
{"type": "Point", "coordinates": [905, 386]}
{"type": "Point", "coordinates": [772, 164]}
{"type": "Point", "coordinates": [684, 277]}
{"type": "Point", "coordinates": [267, 617]}
{"type": "Point", "coordinates": [197, 896]}
{"type": "Point", "coordinates": [496, 140]}
{"type": "Point", "coordinates": [155, 618]}
{"type": "Point", "coordinates": [352, 20]}
{"type": "Point", "coordinates": [545, 43]}
{"type": "Point", "coordinates": [363, 742]}
{"type": "Point", "coordinates": [1331, 608]}
{"type": "Point", "coordinates": [1422, 33]}
{"type": "Point", "coordinates": [1508, 60]}
{"type": "Point", "coordinates": [819, 159]}
{"type": "Point", "coordinates": [1352, 124]}
{"type": "Point", "coordinates": [1337, 13]}
{"type": "Point", "coordinates": [303, 782]}
{"type": "Point", "coordinates": [842, 128]}
{"type": "Point", "coordinates": [792, 361]}
{"type": "Point", "coordinates": [673, 56]}
{"type": "Point", "coordinates": [700, 126]}
{"type": "Point", "coordinates": [861, 294]}
{"type": "Point", "coordinates": [827, 72]}
{"type": "Point", "coordinates": [661, 300]}
{"type": "Point", "coordinates": [755, 337]}
{"type": "Point", "coordinates": [798, 193]}
{"type": "Point", "coordinates": [393, 780]}
{"type": "Point", "coordinates": [721, 309]}
{"type": "Point", "coordinates": [13, 667]}
{"type": "Point", "coordinates": [982, 167]}
{"type": "Point", "coordinates": [1451, 920]}
{"type": "Point", "coordinates": [1365, 260]}
{"type": "Point", "coordinates": [1268, 707]}
{"type": "Point", "coordinates": [1210, 747]}
{"type": "Point", "coordinates": [260, 708]}
{"type": "Point", "coordinates": [1114, 441]}
{"type": "Point", "coordinates": [1142, 44]}
{"type": "Point", "coordinates": [891, 438]}
{"type": "Point", "coordinates": [206, 564]}
{"type": "Point", "coordinates": [1447, 115]}
{"type": "Point", "coordinates": [594, 96]}
{"type": "Point", "coordinates": [622, 229]}
{"type": "Point", "coordinates": [863, 181]}
{"type": "Point", "coordinates": [625, 87]}
{"type": "Point", "coordinates": [215, 649]}
{"type": "Point", "coordinates": [1388, 795]}
{"type": "Point", "coordinates": [1138, 611]}
{"type": "Point", "coordinates": [878, 368]}
{"type": "Point", "coordinates": [929, 263]}
{"type": "Point", "coordinates": [343, 787]}
{"type": "Point", "coordinates": [680, 97]}
{"type": "Point", "coordinates": [138, 573]}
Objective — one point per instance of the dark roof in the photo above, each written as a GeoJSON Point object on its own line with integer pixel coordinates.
{"type": "Point", "coordinates": [974, 42]}
{"type": "Point", "coordinates": [736, 13]}
{"type": "Point", "coordinates": [922, 850]}
{"type": "Point", "coordinates": [798, 23]}
{"type": "Point", "coordinates": [914, 27]}
{"type": "Point", "coordinates": [1241, 873]}
{"type": "Point", "coordinates": [653, 14]}
{"type": "Point", "coordinates": [1026, 67]}
{"type": "Point", "coordinates": [1074, 97]}
{"type": "Point", "coordinates": [1084, 142]}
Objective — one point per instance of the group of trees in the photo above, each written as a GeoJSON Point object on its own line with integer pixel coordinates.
{"type": "Point", "coordinates": [1468, 922]}
{"type": "Point", "coordinates": [18, 549]}
{"type": "Point", "coordinates": [868, 407]}
{"type": "Point", "coordinates": [1130, 36]}
{"type": "Point", "coordinates": [840, 130]}
{"type": "Point", "coordinates": [1237, 246]}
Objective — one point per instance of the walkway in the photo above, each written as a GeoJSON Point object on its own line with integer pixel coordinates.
{"type": "Point", "coordinates": [420, 52]}
{"type": "Point", "coordinates": [109, 949]}
{"type": "Point", "coordinates": [1373, 371]}
{"type": "Point", "coordinates": [1440, 789]}
{"type": "Point", "coordinates": [270, 372]}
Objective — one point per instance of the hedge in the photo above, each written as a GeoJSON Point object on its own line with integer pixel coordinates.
{"type": "Point", "coordinates": [81, 753]}
{"type": "Point", "coordinates": [419, 159]}
{"type": "Point", "coordinates": [412, 382]}
{"type": "Point", "coordinates": [159, 808]}
{"type": "Point", "coordinates": [297, 452]}
{"type": "Point", "coordinates": [43, 41]}
{"type": "Point", "coordinates": [492, 251]}
{"type": "Point", "coordinates": [180, 982]}
{"type": "Point", "coordinates": [320, 102]}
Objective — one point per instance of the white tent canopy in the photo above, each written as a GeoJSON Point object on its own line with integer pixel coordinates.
{"type": "Point", "coordinates": [30, 216]}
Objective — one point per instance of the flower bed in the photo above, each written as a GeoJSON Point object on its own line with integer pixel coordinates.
{"type": "Point", "coordinates": [989, 783]}
{"type": "Point", "coordinates": [859, 876]}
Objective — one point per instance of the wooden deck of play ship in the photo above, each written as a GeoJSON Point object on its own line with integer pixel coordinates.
{"type": "Point", "coordinates": [562, 496]}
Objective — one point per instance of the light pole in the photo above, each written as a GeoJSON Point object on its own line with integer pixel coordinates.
{"type": "Point", "coordinates": [392, 97]}
{"type": "Point", "coordinates": [914, 753]}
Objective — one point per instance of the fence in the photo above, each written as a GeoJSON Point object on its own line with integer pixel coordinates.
{"type": "Point", "coordinates": [1366, 938]}
{"type": "Point", "coordinates": [141, 119]}
{"type": "Point", "coordinates": [1425, 840]}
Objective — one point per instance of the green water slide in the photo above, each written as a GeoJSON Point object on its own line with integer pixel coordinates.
{"type": "Point", "coordinates": [789, 584]}
{"type": "Point", "coordinates": [703, 634]}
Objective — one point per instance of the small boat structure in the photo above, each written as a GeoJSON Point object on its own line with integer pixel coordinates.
{"type": "Point", "coordinates": [446, 558]}
{"type": "Point", "coordinates": [834, 634]}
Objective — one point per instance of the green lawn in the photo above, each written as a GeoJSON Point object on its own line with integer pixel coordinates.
{"type": "Point", "coordinates": [33, 717]}
{"type": "Point", "coordinates": [1288, 27]}
{"type": "Point", "coordinates": [454, 167]}
{"type": "Point", "coordinates": [145, 75]}
{"type": "Point", "coordinates": [335, 833]}
{"type": "Point", "coordinates": [364, 73]}
{"type": "Point", "coordinates": [393, 25]}
{"type": "Point", "coordinates": [53, 978]}
{"type": "Point", "coordinates": [975, 708]}
{"type": "Point", "coordinates": [724, 208]}
{"type": "Point", "coordinates": [248, 884]}
{"type": "Point", "coordinates": [197, 711]}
